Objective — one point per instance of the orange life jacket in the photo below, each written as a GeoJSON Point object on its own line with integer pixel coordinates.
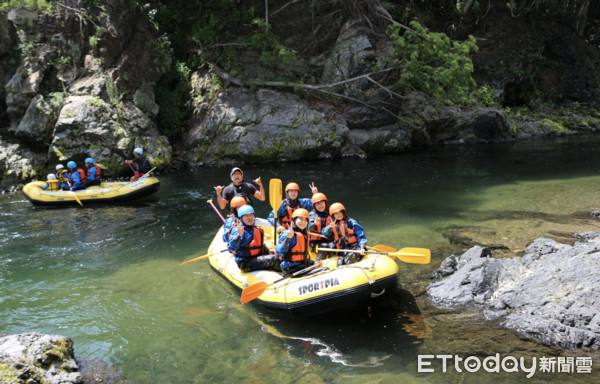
{"type": "Point", "coordinates": [255, 248]}
{"type": "Point", "coordinates": [298, 252]}
{"type": "Point", "coordinates": [320, 223]}
{"type": "Point", "coordinates": [98, 171]}
{"type": "Point", "coordinates": [286, 220]}
{"type": "Point", "coordinates": [343, 235]}
{"type": "Point", "coordinates": [81, 175]}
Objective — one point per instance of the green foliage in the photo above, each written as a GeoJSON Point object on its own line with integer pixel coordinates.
{"type": "Point", "coordinates": [433, 64]}
{"type": "Point", "coordinates": [112, 91]}
{"type": "Point", "coordinates": [268, 45]}
{"type": "Point", "coordinates": [485, 95]}
{"type": "Point", "coordinates": [56, 99]}
{"type": "Point", "coordinates": [173, 94]}
{"type": "Point", "coordinates": [42, 5]}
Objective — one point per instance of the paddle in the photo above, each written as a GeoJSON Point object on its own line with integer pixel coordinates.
{"type": "Point", "coordinates": [407, 255]}
{"type": "Point", "coordinates": [216, 210]}
{"type": "Point", "coordinates": [147, 173]}
{"type": "Point", "coordinates": [255, 290]}
{"type": "Point", "coordinates": [74, 194]}
{"type": "Point", "coordinates": [383, 248]}
{"type": "Point", "coordinates": [275, 191]}
{"type": "Point", "coordinates": [201, 257]}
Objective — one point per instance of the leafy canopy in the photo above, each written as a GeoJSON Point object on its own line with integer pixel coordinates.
{"type": "Point", "coordinates": [433, 64]}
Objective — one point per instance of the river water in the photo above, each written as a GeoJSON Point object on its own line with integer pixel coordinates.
{"type": "Point", "coordinates": [109, 277]}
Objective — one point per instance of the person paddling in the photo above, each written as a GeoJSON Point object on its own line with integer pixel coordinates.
{"type": "Point", "coordinates": [346, 233]}
{"type": "Point", "coordinates": [143, 165]}
{"type": "Point", "coordinates": [76, 179]}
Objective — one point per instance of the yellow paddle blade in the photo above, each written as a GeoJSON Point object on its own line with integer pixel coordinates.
{"type": "Point", "coordinates": [77, 198]}
{"type": "Point", "coordinates": [383, 248]}
{"type": "Point", "coordinates": [275, 194]}
{"type": "Point", "coordinates": [196, 259]}
{"type": "Point", "coordinates": [413, 255]}
{"type": "Point", "coordinates": [254, 291]}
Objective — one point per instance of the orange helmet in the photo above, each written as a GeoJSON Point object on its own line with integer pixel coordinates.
{"type": "Point", "coordinates": [292, 186]}
{"type": "Point", "coordinates": [318, 197]}
{"type": "Point", "coordinates": [301, 212]}
{"type": "Point", "coordinates": [336, 207]}
{"type": "Point", "coordinates": [237, 201]}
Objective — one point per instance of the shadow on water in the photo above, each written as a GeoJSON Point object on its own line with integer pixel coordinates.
{"type": "Point", "coordinates": [391, 328]}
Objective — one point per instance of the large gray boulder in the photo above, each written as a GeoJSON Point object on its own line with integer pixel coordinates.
{"type": "Point", "coordinates": [552, 293]}
{"type": "Point", "coordinates": [34, 358]}
{"type": "Point", "coordinates": [265, 125]}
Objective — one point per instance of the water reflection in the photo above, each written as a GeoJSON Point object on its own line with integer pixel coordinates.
{"type": "Point", "coordinates": [364, 338]}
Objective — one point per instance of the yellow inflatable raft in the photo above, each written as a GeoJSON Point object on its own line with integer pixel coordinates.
{"type": "Point", "coordinates": [107, 192]}
{"type": "Point", "coordinates": [326, 289]}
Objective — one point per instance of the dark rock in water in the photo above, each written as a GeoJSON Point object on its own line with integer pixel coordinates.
{"type": "Point", "coordinates": [99, 371]}
{"type": "Point", "coordinates": [35, 358]}
{"type": "Point", "coordinates": [552, 293]}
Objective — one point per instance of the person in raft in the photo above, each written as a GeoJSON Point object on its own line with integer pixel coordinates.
{"type": "Point", "coordinates": [319, 219]}
{"type": "Point", "coordinates": [93, 173]}
{"type": "Point", "coordinates": [62, 175]}
{"type": "Point", "coordinates": [293, 245]}
{"type": "Point", "coordinates": [346, 233]}
{"type": "Point", "coordinates": [232, 219]}
{"type": "Point", "coordinates": [246, 242]}
{"type": "Point", "coordinates": [290, 204]}
{"type": "Point", "coordinates": [239, 187]}
{"type": "Point", "coordinates": [76, 178]}
{"type": "Point", "coordinates": [143, 165]}
{"type": "Point", "coordinates": [51, 183]}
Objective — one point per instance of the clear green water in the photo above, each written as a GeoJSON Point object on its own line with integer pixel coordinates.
{"type": "Point", "coordinates": [108, 277]}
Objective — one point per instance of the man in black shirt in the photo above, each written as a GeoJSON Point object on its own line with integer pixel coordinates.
{"type": "Point", "coordinates": [239, 187]}
{"type": "Point", "coordinates": [143, 165]}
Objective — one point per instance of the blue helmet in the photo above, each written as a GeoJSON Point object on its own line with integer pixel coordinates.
{"type": "Point", "coordinates": [244, 210]}
{"type": "Point", "coordinates": [71, 164]}
{"type": "Point", "coordinates": [139, 150]}
{"type": "Point", "coordinates": [89, 160]}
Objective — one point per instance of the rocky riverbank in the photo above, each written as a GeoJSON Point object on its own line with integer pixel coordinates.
{"type": "Point", "coordinates": [550, 294]}
{"type": "Point", "coordinates": [35, 358]}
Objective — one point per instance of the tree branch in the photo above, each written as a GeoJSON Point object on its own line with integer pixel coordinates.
{"type": "Point", "coordinates": [323, 88]}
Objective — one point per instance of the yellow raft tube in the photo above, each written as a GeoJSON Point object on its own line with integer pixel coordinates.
{"type": "Point", "coordinates": [107, 192]}
{"type": "Point", "coordinates": [328, 289]}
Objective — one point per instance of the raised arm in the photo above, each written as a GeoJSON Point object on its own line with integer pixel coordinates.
{"type": "Point", "coordinates": [260, 194]}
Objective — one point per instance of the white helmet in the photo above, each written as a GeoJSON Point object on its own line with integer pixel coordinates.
{"type": "Point", "coordinates": [51, 176]}
{"type": "Point", "coordinates": [59, 166]}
